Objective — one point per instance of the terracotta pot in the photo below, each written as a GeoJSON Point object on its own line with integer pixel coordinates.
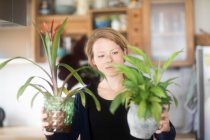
{"type": "Point", "coordinates": [140, 128]}
{"type": "Point", "coordinates": [59, 113]}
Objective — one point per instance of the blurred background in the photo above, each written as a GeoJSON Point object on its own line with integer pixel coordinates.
{"type": "Point", "coordinates": [158, 27]}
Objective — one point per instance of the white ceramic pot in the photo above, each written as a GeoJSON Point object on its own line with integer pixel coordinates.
{"type": "Point", "coordinates": [140, 128]}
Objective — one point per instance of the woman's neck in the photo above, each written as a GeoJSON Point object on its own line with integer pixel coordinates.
{"type": "Point", "coordinates": [114, 82]}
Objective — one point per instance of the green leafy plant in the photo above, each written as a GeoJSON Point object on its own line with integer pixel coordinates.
{"type": "Point", "coordinates": [50, 37]}
{"type": "Point", "coordinates": [143, 85]}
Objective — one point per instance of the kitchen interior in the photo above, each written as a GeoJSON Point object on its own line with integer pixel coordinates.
{"type": "Point", "coordinates": [158, 27]}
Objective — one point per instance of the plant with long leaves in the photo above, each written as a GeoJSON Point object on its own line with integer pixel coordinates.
{"type": "Point", "coordinates": [143, 85]}
{"type": "Point", "coordinates": [50, 37]}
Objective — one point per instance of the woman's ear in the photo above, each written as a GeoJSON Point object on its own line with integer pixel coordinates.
{"type": "Point", "coordinates": [93, 64]}
{"type": "Point", "coordinates": [125, 51]}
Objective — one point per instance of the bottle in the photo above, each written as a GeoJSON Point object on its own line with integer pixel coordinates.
{"type": "Point", "coordinates": [45, 7]}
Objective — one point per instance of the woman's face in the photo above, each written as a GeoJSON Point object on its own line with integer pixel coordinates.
{"type": "Point", "coordinates": [105, 53]}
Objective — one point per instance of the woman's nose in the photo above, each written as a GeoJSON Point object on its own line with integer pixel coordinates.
{"type": "Point", "coordinates": [108, 58]}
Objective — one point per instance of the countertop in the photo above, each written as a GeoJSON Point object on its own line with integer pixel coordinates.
{"type": "Point", "coordinates": [35, 133]}
{"type": "Point", "coordinates": [21, 133]}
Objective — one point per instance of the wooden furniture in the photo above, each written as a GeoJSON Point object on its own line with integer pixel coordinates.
{"type": "Point", "coordinates": [189, 136]}
{"type": "Point", "coordinates": [84, 25]}
{"type": "Point", "coordinates": [135, 27]}
{"type": "Point", "coordinates": [159, 27]}
{"type": "Point", "coordinates": [133, 30]}
{"type": "Point", "coordinates": [168, 27]}
{"type": "Point", "coordinates": [21, 133]}
{"type": "Point", "coordinates": [35, 133]}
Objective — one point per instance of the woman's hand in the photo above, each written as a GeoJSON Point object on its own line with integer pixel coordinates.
{"type": "Point", "coordinates": [164, 122]}
{"type": "Point", "coordinates": [45, 124]}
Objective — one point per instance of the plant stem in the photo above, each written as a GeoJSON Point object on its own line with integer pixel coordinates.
{"type": "Point", "coordinates": [54, 80]}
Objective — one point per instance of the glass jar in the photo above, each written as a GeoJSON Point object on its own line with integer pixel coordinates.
{"type": "Point", "coordinates": [59, 111]}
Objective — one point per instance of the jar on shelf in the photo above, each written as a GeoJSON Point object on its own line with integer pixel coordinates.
{"type": "Point", "coordinates": [65, 6]}
{"type": "Point", "coordinates": [45, 7]}
{"type": "Point", "coordinates": [82, 7]}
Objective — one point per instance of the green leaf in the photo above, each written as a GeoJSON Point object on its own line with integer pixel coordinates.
{"type": "Point", "coordinates": [168, 82]}
{"type": "Point", "coordinates": [130, 85]}
{"type": "Point", "coordinates": [157, 74]}
{"type": "Point", "coordinates": [23, 87]}
{"type": "Point", "coordinates": [175, 100]}
{"type": "Point", "coordinates": [73, 72]}
{"type": "Point", "coordinates": [154, 99]}
{"type": "Point", "coordinates": [129, 72]}
{"type": "Point", "coordinates": [142, 87]}
{"type": "Point", "coordinates": [19, 57]}
{"type": "Point", "coordinates": [116, 102]}
{"type": "Point", "coordinates": [38, 88]}
{"type": "Point", "coordinates": [171, 58]}
{"type": "Point", "coordinates": [47, 46]}
{"type": "Point", "coordinates": [156, 110]}
{"type": "Point", "coordinates": [33, 99]}
{"type": "Point", "coordinates": [3, 64]}
{"type": "Point", "coordinates": [138, 51]}
{"type": "Point", "coordinates": [137, 63]}
{"type": "Point", "coordinates": [82, 98]}
{"type": "Point", "coordinates": [142, 109]}
{"type": "Point", "coordinates": [65, 91]}
{"type": "Point", "coordinates": [56, 42]}
{"type": "Point", "coordinates": [158, 92]}
{"type": "Point", "coordinates": [98, 106]}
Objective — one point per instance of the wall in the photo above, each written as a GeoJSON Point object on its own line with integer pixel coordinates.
{"type": "Point", "coordinates": [12, 38]}
{"type": "Point", "coordinates": [202, 21]}
{"type": "Point", "coordinates": [14, 75]}
{"type": "Point", "coordinates": [19, 112]}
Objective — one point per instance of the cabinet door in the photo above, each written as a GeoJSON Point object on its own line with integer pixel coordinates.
{"type": "Point", "coordinates": [170, 30]}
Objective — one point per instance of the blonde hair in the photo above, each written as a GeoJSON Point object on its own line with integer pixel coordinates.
{"type": "Point", "coordinates": [106, 33]}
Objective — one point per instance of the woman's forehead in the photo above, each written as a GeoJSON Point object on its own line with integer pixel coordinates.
{"type": "Point", "coordinates": [104, 44]}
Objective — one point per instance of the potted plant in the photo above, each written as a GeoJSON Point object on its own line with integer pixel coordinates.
{"type": "Point", "coordinates": [58, 102]}
{"type": "Point", "coordinates": [144, 92]}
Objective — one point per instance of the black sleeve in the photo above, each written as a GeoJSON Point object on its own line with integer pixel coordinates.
{"type": "Point", "coordinates": [167, 135]}
{"type": "Point", "coordinates": [75, 129]}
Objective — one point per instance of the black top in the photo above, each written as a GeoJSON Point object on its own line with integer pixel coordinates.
{"type": "Point", "coordinates": [113, 126]}
{"type": "Point", "coordinates": [93, 125]}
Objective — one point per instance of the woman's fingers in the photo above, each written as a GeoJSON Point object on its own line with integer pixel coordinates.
{"type": "Point", "coordinates": [45, 124]}
{"type": "Point", "coordinates": [47, 133]}
{"type": "Point", "coordinates": [164, 123]}
{"type": "Point", "coordinates": [164, 127]}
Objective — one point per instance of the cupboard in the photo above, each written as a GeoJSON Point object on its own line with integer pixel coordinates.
{"type": "Point", "coordinates": [159, 27]}
{"type": "Point", "coordinates": [168, 27]}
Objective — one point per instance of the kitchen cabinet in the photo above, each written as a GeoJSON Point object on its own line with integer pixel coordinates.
{"type": "Point", "coordinates": [130, 22]}
{"type": "Point", "coordinates": [84, 25]}
{"type": "Point", "coordinates": [168, 27]}
{"type": "Point", "coordinates": [135, 27]}
{"type": "Point", "coordinates": [158, 27]}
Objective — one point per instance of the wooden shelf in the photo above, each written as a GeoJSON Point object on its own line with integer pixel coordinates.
{"type": "Point", "coordinates": [61, 17]}
{"type": "Point", "coordinates": [167, 1]}
{"type": "Point", "coordinates": [190, 136]}
{"type": "Point", "coordinates": [109, 10]}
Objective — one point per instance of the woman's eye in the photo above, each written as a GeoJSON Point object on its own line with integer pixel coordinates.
{"type": "Point", "coordinates": [116, 52]}
{"type": "Point", "coordinates": [100, 56]}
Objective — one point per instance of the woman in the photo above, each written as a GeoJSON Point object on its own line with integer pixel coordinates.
{"type": "Point", "coordinates": [105, 47]}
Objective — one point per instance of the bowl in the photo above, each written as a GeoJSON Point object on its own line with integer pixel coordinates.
{"type": "Point", "coordinates": [65, 9]}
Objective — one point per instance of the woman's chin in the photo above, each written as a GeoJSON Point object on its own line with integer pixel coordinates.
{"type": "Point", "coordinates": [111, 73]}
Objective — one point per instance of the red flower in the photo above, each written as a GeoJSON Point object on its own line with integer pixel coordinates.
{"type": "Point", "coordinates": [50, 30]}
